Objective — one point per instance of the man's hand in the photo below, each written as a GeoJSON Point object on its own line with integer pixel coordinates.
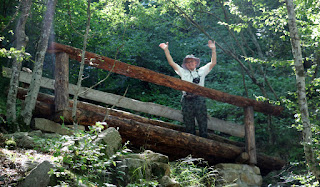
{"type": "Point", "coordinates": [164, 46]}
{"type": "Point", "coordinates": [212, 45]}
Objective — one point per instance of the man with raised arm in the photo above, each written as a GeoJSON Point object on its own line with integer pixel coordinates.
{"type": "Point", "coordinates": [193, 106]}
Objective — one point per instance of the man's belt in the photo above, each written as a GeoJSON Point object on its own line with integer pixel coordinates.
{"type": "Point", "coordinates": [190, 95]}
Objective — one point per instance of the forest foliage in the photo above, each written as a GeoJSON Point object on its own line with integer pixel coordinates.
{"type": "Point", "coordinates": [254, 54]}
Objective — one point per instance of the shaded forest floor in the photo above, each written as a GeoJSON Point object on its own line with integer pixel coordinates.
{"type": "Point", "coordinates": [15, 163]}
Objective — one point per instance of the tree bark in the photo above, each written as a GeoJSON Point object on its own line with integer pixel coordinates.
{"type": "Point", "coordinates": [250, 135]}
{"type": "Point", "coordinates": [21, 43]}
{"type": "Point", "coordinates": [33, 91]}
{"type": "Point", "coordinates": [301, 90]}
{"type": "Point", "coordinates": [164, 80]}
{"type": "Point", "coordinates": [61, 83]}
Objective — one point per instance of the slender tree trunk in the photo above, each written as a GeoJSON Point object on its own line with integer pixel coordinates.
{"type": "Point", "coordinates": [21, 43]}
{"type": "Point", "coordinates": [301, 90]}
{"type": "Point", "coordinates": [85, 40]}
{"type": "Point", "coordinates": [33, 91]}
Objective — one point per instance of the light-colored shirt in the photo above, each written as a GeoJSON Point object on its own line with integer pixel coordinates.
{"type": "Point", "coordinates": [188, 75]}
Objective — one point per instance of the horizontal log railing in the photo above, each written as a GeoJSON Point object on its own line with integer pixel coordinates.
{"type": "Point", "coordinates": [64, 52]}
{"type": "Point", "coordinates": [123, 102]}
{"type": "Point", "coordinates": [144, 74]}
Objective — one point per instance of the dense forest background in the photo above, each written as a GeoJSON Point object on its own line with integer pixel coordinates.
{"type": "Point", "coordinates": [254, 56]}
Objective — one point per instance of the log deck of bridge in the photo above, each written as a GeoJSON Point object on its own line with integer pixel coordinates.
{"type": "Point", "coordinates": [166, 139]}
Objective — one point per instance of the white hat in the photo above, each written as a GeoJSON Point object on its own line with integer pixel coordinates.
{"type": "Point", "coordinates": [190, 57]}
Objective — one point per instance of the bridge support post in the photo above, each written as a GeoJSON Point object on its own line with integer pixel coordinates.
{"type": "Point", "coordinates": [61, 85]}
{"type": "Point", "coordinates": [250, 135]}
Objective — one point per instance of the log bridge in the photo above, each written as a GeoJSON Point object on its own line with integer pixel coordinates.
{"type": "Point", "coordinates": [156, 135]}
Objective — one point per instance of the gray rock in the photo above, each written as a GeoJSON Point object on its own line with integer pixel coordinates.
{"type": "Point", "coordinates": [16, 135]}
{"type": "Point", "coordinates": [37, 133]}
{"type": "Point", "coordinates": [22, 139]}
{"type": "Point", "coordinates": [26, 142]}
{"type": "Point", "coordinates": [150, 156]}
{"type": "Point", "coordinates": [111, 137]}
{"type": "Point", "coordinates": [160, 169]}
{"type": "Point", "coordinates": [50, 126]}
{"type": "Point", "coordinates": [136, 169]}
{"type": "Point", "coordinates": [38, 177]}
{"type": "Point", "coordinates": [166, 181]}
{"type": "Point", "coordinates": [240, 174]}
{"type": "Point", "coordinates": [146, 165]}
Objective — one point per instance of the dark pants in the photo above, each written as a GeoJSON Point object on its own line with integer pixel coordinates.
{"type": "Point", "coordinates": [195, 108]}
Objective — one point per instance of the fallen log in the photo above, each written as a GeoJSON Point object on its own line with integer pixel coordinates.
{"type": "Point", "coordinates": [161, 79]}
{"type": "Point", "coordinates": [173, 143]}
{"type": "Point", "coordinates": [102, 111]}
{"type": "Point", "coordinates": [145, 107]}
{"type": "Point", "coordinates": [160, 139]}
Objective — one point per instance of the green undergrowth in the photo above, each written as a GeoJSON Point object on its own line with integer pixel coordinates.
{"type": "Point", "coordinates": [82, 161]}
{"type": "Point", "coordinates": [193, 172]}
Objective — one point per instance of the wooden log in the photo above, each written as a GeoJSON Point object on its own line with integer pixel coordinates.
{"type": "Point", "coordinates": [243, 158]}
{"type": "Point", "coordinates": [173, 143]}
{"type": "Point", "coordinates": [150, 136]}
{"type": "Point", "coordinates": [95, 109]}
{"type": "Point", "coordinates": [141, 134]}
{"type": "Point", "coordinates": [61, 84]}
{"type": "Point", "coordinates": [144, 74]}
{"type": "Point", "coordinates": [250, 135]}
{"type": "Point", "coordinates": [146, 107]}
{"type": "Point", "coordinates": [268, 163]}
{"type": "Point", "coordinates": [160, 139]}
{"type": "Point", "coordinates": [121, 114]}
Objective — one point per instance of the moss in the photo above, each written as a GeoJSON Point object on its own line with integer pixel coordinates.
{"type": "Point", "coordinates": [11, 144]}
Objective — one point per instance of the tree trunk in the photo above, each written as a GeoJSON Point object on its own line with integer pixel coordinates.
{"type": "Point", "coordinates": [61, 83]}
{"type": "Point", "coordinates": [164, 80]}
{"type": "Point", "coordinates": [21, 43]}
{"type": "Point", "coordinates": [250, 135]}
{"type": "Point", "coordinates": [301, 89]}
{"type": "Point", "coordinates": [76, 95]}
{"type": "Point", "coordinates": [39, 58]}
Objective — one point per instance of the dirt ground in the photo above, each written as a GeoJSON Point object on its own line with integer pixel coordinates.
{"type": "Point", "coordinates": [14, 164]}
